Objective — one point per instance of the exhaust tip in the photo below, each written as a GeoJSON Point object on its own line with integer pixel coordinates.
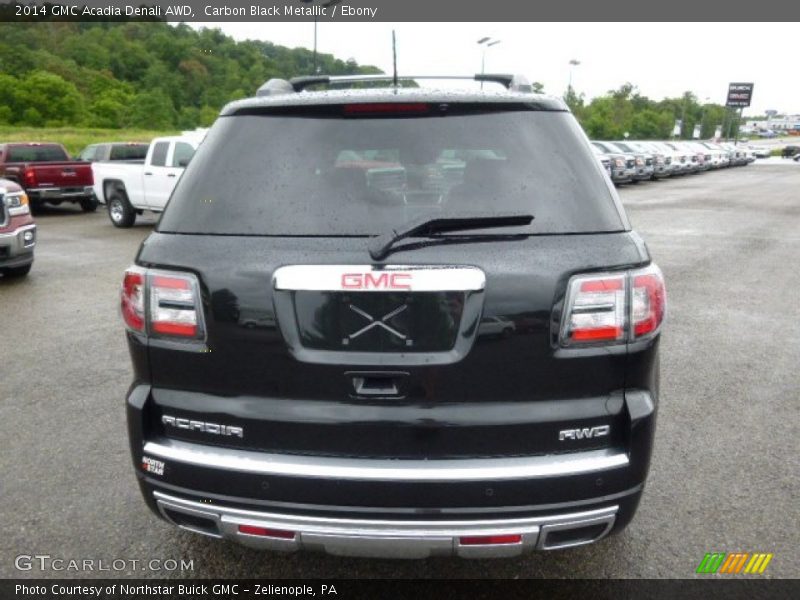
{"type": "Point", "coordinates": [205, 524]}
{"type": "Point", "coordinates": [567, 535]}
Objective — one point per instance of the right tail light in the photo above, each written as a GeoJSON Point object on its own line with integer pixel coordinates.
{"type": "Point", "coordinates": [614, 308]}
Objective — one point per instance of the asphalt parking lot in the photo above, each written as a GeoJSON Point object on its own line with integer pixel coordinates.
{"type": "Point", "coordinates": [726, 469]}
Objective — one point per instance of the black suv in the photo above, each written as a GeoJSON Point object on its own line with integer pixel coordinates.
{"type": "Point", "coordinates": [394, 322]}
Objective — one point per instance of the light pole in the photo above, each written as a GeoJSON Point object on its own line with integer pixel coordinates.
{"type": "Point", "coordinates": [486, 43]}
{"type": "Point", "coordinates": [703, 116]}
{"type": "Point", "coordinates": [572, 64]}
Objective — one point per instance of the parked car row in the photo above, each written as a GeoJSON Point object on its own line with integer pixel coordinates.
{"type": "Point", "coordinates": [634, 161]}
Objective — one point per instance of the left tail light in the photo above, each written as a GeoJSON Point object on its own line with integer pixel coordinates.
{"type": "Point", "coordinates": [29, 177]}
{"type": "Point", "coordinates": [162, 303]}
{"type": "Point", "coordinates": [614, 308]}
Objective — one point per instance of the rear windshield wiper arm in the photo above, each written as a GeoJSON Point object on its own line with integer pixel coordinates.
{"type": "Point", "coordinates": [380, 247]}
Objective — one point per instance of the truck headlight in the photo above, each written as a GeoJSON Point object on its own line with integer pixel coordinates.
{"type": "Point", "coordinates": [17, 203]}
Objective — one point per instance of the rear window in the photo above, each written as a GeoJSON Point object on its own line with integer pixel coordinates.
{"type": "Point", "coordinates": [326, 174]}
{"type": "Point", "coordinates": [36, 154]}
{"type": "Point", "coordinates": [129, 152]}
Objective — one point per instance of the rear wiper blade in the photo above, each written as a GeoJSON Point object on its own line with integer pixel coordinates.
{"type": "Point", "coordinates": [381, 246]}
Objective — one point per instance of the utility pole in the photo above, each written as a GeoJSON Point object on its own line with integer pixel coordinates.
{"type": "Point", "coordinates": [572, 63]}
{"type": "Point", "coordinates": [738, 125]}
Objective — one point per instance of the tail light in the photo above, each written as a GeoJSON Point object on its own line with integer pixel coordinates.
{"type": "Point", "coordinates": [619, 162]}
{"type": "Point", "coordinates": [648, 301]}
{"type": "Point", "coordinates": [162, 303]}
{"type": "Point", "coordinates": [132, 299]}
{"type": "Point", "coordinates": [639, 161]}
{"type": "Point", "coordinates": [29, 177]}
{"type": "Point", "coordinates": [614, 308]}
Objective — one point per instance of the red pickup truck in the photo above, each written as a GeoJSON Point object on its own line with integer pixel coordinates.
{"type": "Point", "coordinates": [47, 174]}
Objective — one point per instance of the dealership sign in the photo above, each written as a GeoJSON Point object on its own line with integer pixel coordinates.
{"type": "Point", "coordinates": [739, 94]}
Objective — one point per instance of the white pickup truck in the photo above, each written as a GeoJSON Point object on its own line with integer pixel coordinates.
{"type": "Point", "coordinates": [129, 188]}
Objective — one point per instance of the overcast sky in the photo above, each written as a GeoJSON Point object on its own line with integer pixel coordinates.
{"type": "Point", "coordinates": [662, 59]}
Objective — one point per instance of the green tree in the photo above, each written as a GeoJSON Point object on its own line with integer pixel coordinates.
{"type": "Point", "coordinates": [152, 110]}
{"type": "Point", "coordinates": [9, 98]}
{"type": "Point", "coordinates": [54, 100]}
{"type": "Point", "coordinates": [109, 109]}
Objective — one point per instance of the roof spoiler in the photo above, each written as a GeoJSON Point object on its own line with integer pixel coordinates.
{"type": "Point", "coordinates": [273, 87]}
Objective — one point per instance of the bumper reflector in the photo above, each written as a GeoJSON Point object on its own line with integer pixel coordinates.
{"type": "Point", "coordinates": [264, 532]}
{"type": "Point", "coordinates": [490, 540]}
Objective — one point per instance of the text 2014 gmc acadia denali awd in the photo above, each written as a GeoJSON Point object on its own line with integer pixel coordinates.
{"type": "Point", "coordinates": [394, 322]}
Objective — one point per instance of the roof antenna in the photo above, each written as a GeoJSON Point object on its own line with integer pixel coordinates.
{"type": "Point", "coordinates": [394, 59]}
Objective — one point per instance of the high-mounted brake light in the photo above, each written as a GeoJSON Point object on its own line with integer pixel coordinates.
{"type": "Point", "coordinates": [173, 303]}
{"type": "Point", "coordinates": [614, 307]}
{"type": "Point", "coordinates": [398, 108]}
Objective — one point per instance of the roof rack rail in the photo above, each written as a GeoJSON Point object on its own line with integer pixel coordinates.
{"type": "Point", "coordinates": [514, 83]}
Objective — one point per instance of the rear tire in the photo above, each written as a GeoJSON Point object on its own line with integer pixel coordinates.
{"type": "Point", "coordinates": [18, 271]}
{"type": "Point", "coordinates": [89, 203]}
{"type": "Point", "coordinates": [120, 211]}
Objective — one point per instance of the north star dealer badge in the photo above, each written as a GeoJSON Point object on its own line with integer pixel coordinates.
{"type": "Point", "coordinates": [151, 465]}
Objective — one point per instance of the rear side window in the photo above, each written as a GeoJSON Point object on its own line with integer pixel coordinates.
{"type": "Point", "coordinates": [160, 154]}
{"type": "Point", "coordinates": [182, 154]}
{"type": "Point", "coordinates": [129, 152]}
{"type": "Point", "coordinates": [88, 153]}
{"type": "Point", "coordinates": [36, 154]}
{"type": "Point", "coordinates": [332, 174]}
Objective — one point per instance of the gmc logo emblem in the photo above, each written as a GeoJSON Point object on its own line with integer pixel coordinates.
{"type": "Point", "coordinates": [376, 281]}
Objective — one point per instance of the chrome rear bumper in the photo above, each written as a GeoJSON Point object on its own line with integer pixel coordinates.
{"type": "Point", "coordinates": [448, 470]}
{"type": "Point", "coordinates": [484, 538]}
